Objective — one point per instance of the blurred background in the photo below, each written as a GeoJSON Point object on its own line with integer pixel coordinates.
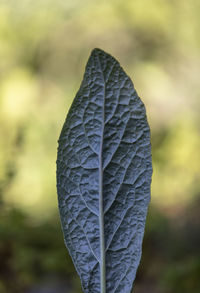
{"type": "Point", "coordinates": [44, 46]}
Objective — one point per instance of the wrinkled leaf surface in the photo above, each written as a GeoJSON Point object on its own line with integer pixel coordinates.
{"type": "Point", "coordinates": [103, 177]}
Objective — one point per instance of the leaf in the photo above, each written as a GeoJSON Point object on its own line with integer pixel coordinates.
{"type": "Point", "coordinates": [103, 177]}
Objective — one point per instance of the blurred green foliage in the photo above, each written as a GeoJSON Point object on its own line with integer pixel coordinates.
{"type": "Point", "coordinates": [44, 45]}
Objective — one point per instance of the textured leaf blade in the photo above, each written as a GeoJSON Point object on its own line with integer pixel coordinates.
{"type": "Point", "coordinates": [103, 177]}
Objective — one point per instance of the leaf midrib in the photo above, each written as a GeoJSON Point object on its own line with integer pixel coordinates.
{"type": "Point", "coordinates": [101, 211]}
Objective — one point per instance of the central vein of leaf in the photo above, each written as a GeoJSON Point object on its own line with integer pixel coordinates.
{"type": "Point", "coordinates": [101, 212]}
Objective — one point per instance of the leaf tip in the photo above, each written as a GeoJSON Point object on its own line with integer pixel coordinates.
{"type": "Point", "coordinates": [97, 52]}
{"type": "Point", "coordinates": [102, 57]}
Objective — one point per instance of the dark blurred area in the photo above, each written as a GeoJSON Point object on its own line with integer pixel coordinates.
{"type": "Point", "coordinates": [44, 46]}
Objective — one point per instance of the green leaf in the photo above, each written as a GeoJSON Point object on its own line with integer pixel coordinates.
{"type": "Point", "coordinates": [103, 177]}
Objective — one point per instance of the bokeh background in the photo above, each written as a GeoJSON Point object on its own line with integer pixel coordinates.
{"type": "Point", "coordinates": [44, 46]}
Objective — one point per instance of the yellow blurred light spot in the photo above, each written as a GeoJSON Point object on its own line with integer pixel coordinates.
{"type": "Point", "coordinates": [176, 179]}
{"type": "Point", "coordinates": [19, 92]}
